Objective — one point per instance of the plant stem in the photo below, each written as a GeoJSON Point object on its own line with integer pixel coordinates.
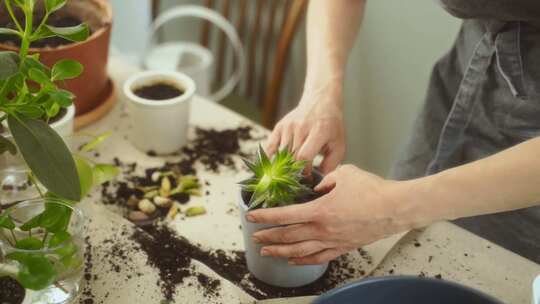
{"type": "Point", "coordinates": [13, 235]}
{"type": "Point", "coordinates": [12, 15]}
{"type": "Point", "coordinates": [34, 182]}
{"type": "Point", "coordinates": [57, 284]}
{"type": "Point", "coordinates": [25, 40]}
{"type": "Point", "coordinates": [45, 237]}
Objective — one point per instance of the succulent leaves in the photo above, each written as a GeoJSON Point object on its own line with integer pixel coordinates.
{"type": "Point", "coordinates": [275, 182]}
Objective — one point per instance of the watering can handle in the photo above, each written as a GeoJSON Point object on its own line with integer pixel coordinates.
{"type": "Point", "coordinates": [220, 22]}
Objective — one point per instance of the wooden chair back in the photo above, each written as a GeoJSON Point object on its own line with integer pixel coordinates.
{"type": "Point", "coordinates": [267, 39]}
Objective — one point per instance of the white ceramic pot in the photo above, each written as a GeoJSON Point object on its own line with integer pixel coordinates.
{"type": "Point", "coordinates": [271, 270]}
{"type": "Point", "coordinates": [159, 125]}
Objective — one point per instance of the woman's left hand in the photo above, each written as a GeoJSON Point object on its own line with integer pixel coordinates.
{"type": "Point", "coordinates": [359, 208]}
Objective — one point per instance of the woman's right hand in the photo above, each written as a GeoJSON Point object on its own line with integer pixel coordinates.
{"type": "Point", "coordinates": [314, 127]}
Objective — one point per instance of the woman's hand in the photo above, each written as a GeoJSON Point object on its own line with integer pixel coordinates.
{"type": "Point", "coordinates": [314, 127]}
{"type": "Point", "coordinates": [359, 208]}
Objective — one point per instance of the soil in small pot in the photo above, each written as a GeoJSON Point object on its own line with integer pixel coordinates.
{"type": "Point", "coordinates": [58, 20]}
{"type": "Point", "coordinates": [158, 91]}
{"type": "Point", "coordinates": [11, 292]}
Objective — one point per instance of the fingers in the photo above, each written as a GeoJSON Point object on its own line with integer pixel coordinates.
{"type": "Point", "coordinates": [286, 137]}
{"type": "Point", "coordinates": [300, 134]}
{"type": "Point", "coordinates": [328, 183]}
{"type": "Point", "coordinates": [311, 147]}
{"type": "Point", "coordinates": [318, 258]}
{"type": "Point", "coordinates": [332, 160]}
{"type": "Point", "coordinates": [294, 214]}
{"type": "Point", "coordinates": [287, 234]}
{"type": "Point", "coordinates": [297, 250]}
{"type": "Point", "coordinates": [272, 144]}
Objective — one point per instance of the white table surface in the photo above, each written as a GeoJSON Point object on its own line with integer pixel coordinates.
{"type": "Point", "coordinates": [441, 249]}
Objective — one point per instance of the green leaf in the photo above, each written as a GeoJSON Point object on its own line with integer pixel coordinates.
{"type": "Point", "coordinates": [54, 5]}
{"type": "Point", "coordinates": [59, 238]}
{"type": "Point", "coordinates": [7, 145]}
{"type": "Point", "coordinates": [62, 97]}
{"type": "Point", "coordinates": [38, 76]}
{"type": "Point", "coordinates": [9, 64]}
{"type": "Point", "coordinates": [103, 173]}
{"type": "Point", "coordinates": [36, 272]}
{"type": "Point", "coordinates": [55, 218]}
{"type": "Point", "coordinates": [32, 62]}
{"type": "Point", "coordinates": [8, 31]}
{"type": "Point", "coordinates": [263, 158]}
{"type": "Point", "coordinates": [31, 223]}
{"type": "Point", "coordinates": [66, 251]}
{"type": "Point", "coordinates": [72, 33]}
{"type": "Point", "coordinates": [53, 109]}
{"type": "Point", "coordinates": [47, 156]}
{"type": "Point", "coordinates": [86, 176]}
{"type": "Point", "coordinates": [91, 145]}
{"type": "Point", "coordinates": [29, 243]}
{"type": "Point", "coordinates": [66, 69]}
{"type": "Point", "coordinates": [30, 110]}
{"type": "Point", "coordinates": [6, 222]}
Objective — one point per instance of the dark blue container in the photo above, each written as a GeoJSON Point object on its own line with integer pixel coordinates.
{"type": "Point", "coordinates": [404, 290]}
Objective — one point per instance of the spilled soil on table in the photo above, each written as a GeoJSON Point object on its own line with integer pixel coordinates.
{"type": "Point", "coordinates": [171, 255]}
{"type": "Point", "coordinates": [212, 149]}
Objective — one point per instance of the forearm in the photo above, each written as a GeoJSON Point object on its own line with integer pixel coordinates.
{"type": "Point", "coordinates": [505, 181]}
{"type": "Point", "coordinates": [332, 27]}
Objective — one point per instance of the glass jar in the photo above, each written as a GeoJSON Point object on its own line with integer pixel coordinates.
{"type": "Point", "coordinates": [63, 251]}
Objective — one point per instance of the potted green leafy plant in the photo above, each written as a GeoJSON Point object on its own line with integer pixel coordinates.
{"type": "Point", "coordinates": [276, 182]}
{"type": "Point", "coordinates": [40, 240]}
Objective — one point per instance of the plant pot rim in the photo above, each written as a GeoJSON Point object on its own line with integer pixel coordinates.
{"type": "Point", "coordinates": [105, 7]}
{"type": "Point", "coordinates": [76, 211]}
{"type": "Point", "coordinates": [152, 76]}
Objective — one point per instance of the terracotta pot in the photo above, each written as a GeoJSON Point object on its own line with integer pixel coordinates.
{"type": "Point", "coordinates": [90, 88]}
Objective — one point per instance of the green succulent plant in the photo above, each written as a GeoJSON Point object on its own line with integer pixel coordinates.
{"type": "Point", "coordinates": [275, 182]}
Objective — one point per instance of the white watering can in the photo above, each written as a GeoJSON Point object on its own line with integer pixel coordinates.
{"type": "Point", "coordinates": [191, 58]}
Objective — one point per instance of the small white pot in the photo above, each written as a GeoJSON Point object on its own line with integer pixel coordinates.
{"type": "Point", "coordinates": [271, 270]}
{"type": "Point", "coordinates": [159, 125]}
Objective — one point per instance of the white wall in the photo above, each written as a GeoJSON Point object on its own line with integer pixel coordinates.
{"type": "Point", "coordinates": [388, 74]}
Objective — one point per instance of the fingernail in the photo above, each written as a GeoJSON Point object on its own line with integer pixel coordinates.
{"type": "Point", "coordinates": [265, 252]}
{"type": "Point", "coordinates": [256, 240]}
{"type": "Point", "coordinates": [250, 218]}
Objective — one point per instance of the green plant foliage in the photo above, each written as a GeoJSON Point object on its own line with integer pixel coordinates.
{"type": "Point", "coordinates": [275, 182]}
{"type": "Point", "coordinates": [7, 146]}
{"type": "Point", "coordinates": [91, 145]}
{"type": "Point", "coordinates": [104, 172]}
{"type": "Point", "coordinates": [66, 69]}
{"type": "Point", "coordinates": [9, 64]}
{"type": "Point", "coordinates": [37, 272]}
{"type": "Point", "coordinates": [86, 175]}
{"type": "Point", "coordinates": [6, 222]}
{"type": "Point", "coordinates": [29, 98]}
{"type": "Point", "coordinates": [47, 156]}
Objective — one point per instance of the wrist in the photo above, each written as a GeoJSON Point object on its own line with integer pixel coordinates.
{"type": "Point", "coordinates": [327, 90]}
{"type": "Point", "coordinates": [417, 203]}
